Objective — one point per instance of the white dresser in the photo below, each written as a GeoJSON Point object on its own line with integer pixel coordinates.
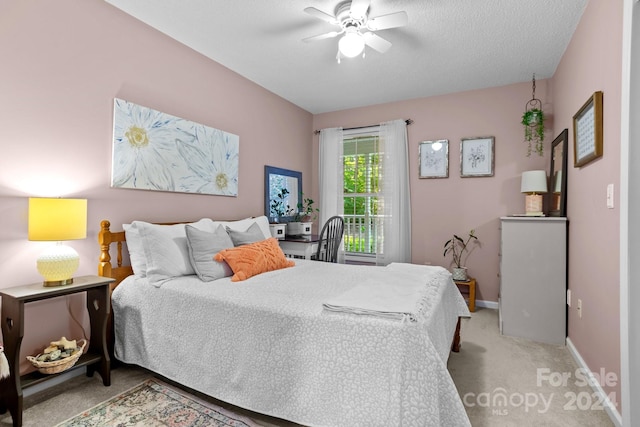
{"type": "Point", "coordinates": [533, 278]}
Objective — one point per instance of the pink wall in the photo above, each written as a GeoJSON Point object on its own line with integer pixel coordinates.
{"type": "Point", "coordinates": [441, 207]}
{"type": "Point", "coordinates": [593, 62]}
{"type": "Point", "coordinates": [63, 63]}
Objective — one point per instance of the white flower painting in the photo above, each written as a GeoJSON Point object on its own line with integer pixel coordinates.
{"type": "Point", "coordinates": [157, 151]}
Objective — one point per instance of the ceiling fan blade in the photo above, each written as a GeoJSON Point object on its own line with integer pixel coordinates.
{"type": "Point", "coordinates": [322, 36]}
{"type": "Point", "coordinates": [321, 15]}
{"type": "Point", "coordinates": [359, 8]}
{"type": "Point", "coordinates": [392, 20]}
{"type": "Point", "coordinates": [376, 42]}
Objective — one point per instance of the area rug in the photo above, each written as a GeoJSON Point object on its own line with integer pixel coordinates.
{"type": "Point", "coordinates": [155, 403]}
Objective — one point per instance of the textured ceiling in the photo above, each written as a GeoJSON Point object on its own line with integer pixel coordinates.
{"type": "Point", "coordinates": [448, 46]}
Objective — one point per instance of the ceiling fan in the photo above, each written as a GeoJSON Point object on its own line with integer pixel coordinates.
{"type": "Point", "coordinates": [358, 29]}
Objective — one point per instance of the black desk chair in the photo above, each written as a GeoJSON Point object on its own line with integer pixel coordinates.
{"type": "Point", "coordinates": [330, 238]}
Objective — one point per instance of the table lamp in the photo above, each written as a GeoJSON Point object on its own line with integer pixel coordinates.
{"type": "Point", "coordinates": [57, 220]}
{"type": "Point", "coordinates": [534, 183]}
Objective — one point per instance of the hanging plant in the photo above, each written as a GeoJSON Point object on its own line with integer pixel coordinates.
{"type": "Point", "coordinates": [533, 122]}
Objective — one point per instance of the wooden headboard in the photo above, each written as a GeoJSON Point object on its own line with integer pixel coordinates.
{"type": "Point", "coordinates": [106, 237]}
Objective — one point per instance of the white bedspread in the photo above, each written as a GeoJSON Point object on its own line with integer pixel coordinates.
{"type": "Point", "coordinates": [267, 345]}
{"type": "Point", "coordinates": [399, 291]}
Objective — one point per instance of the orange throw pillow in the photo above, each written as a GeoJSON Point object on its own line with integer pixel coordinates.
{"type": "Point", "coordinates": [255, 258]}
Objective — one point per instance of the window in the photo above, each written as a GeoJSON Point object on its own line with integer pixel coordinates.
{"type": "Point", "coordinates": [361, 161]}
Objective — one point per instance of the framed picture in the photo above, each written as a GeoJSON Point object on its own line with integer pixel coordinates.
{"type": "Point", "coordinates": [587, 131]}
{"type": "Point", "coordinates": [477, 156]}
{"type": "Point", "coordinates": [434, 159]}
{"type": "Point", "coordinates": [153, 150]}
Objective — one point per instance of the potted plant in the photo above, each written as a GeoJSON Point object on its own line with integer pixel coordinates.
{"type": "Point", "coordinates": [533, 122]}
{"type": "Point", "coordinates": [306, 211]}
{"type": "Point", "coordinates": [302, 219]}
{"type": "Point", "coordinates": [457, 246]}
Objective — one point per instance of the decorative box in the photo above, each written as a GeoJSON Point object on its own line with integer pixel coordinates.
{"type": "Point", "coordinates": [278, 230]}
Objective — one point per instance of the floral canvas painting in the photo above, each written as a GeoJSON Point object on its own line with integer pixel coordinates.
{"type": "Point", "coordinates": [157, 151]}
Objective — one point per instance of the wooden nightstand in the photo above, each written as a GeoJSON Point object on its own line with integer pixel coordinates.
{"type": "Point", "coordinates": [470, 283]}
{"type": "Point", "coordinates": [95, 358]}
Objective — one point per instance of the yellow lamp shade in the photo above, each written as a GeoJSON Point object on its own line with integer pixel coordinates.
{"type": "Point", "coordinates": [57, 220]}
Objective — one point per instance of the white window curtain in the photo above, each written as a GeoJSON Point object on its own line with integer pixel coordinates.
{"type": "Point", "coordinates": [395, 244]}
{"type": "Point", "coordinates": [331, 172]}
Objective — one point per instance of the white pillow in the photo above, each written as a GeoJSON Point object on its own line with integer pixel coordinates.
{"type": "Point", "coordinates": [136, 249]}
{"type": "Point", "coordinates": [244, 224]}
{"type": "Point", "coordinates": [166, 250]}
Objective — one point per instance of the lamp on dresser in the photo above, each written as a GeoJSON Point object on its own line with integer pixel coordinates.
{"type": "Point", "coordinates": [534, 184]}
{"type": "Point", "coordinates": [57, 220]}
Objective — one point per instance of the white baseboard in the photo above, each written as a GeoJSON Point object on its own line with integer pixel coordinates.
{"type": "Point", "coordinates": [487, 304]}
{"type": "Point", "coordinates": [613, 413]}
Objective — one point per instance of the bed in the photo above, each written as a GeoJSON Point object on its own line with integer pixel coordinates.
{"type": "Point", "coordinates": [278, 342]}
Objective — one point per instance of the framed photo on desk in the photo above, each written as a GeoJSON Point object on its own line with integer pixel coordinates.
{"type": "Point", "coordinates": [587, 131]}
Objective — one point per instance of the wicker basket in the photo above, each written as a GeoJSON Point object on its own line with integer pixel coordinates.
{"type": "Point", "coordinates": [61, 365]}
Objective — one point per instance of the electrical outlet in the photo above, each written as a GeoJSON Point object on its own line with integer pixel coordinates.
{"type": "Point", "coordinates": [579, 308]}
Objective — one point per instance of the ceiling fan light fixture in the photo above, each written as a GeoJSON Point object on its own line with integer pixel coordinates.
{"type": "Point", "coordinates": [351, 44]}
{"type": "Point", "coordinates": [357, 27]}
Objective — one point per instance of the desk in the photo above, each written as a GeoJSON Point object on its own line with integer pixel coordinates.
{"type": "Point", "coordinates": [300, 246]}
{"type": "Point", "coordinates": [96, 358]}
{"type": "Point", "coordinates": [471, 284]}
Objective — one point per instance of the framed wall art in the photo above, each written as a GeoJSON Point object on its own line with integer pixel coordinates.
{"type": "Point", "coordinates": [434, 159]}
{"type": "Point", "coordinates": [477, 156]}
{"type": "Point", "coordinates": [153, 150]}
{"type": "Point", "coordinates": [587, 131]}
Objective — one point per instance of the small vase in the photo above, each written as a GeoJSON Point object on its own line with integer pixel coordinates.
{"type": "Point", "coordinates": [459, 274]}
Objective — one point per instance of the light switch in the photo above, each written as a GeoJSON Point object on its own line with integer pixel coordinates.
{"type": "Point", "coordinates": [610, 203]}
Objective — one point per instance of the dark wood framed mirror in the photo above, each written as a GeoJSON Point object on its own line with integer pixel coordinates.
{"type": "Point", "coordinates": [558, 175]}
{"type": "Point", "coordinates": [274, 180]}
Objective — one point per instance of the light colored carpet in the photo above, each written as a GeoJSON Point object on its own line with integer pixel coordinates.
{"type": "Point", "coordinates": [488, 366]}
